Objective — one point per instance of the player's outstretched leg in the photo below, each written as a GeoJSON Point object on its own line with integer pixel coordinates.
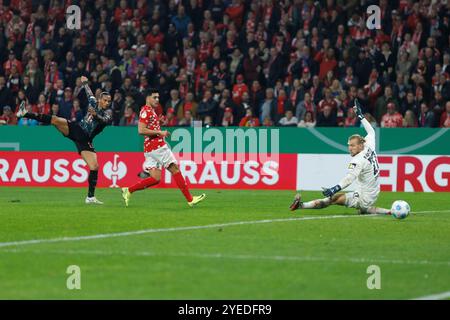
{"type": "Point", "coordinates": [181, 183]}
{"type": "Point", "coordinates": [23, 113]}
{"type": "Point", "coordinates": [155, 177]}
{"type": "Point", "coordinates": [314, 204]}
{"type": "Point", "coordinates": [91, 160]}
{"type": "Point", "coordinates": [60, 123]}
{"type": "Point", "coordinates": [375, 210]}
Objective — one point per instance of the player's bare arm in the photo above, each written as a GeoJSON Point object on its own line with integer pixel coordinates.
{"type": "Point", "coordinates": [143, 130]}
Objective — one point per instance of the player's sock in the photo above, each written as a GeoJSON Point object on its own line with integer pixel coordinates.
{"type": "Point", "coordinates": [375, 210]}
{"type": "Point", "coordinates": [141, 185]}
{"type": "Point", "coordinates": [44, 118]}
{"type": "Point", "coordinates": [181, 183]}
{"type": "Point", "coordinates": [316, 204]}
{"type": "Point", "coordinates": [93, 176]}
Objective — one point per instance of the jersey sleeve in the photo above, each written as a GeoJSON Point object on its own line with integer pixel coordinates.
{"type": "Point", "coordinates": [106, 118]}
{"type": "Point", "coordinates": [144, 116]}
{"type": "Point", "coordinates": [370, 137]}
{"type": "Point", "coordinates": [353, 171]}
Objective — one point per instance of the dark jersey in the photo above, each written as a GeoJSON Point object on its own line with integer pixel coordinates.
{"type": "Point", "coordinates": [91, 125]}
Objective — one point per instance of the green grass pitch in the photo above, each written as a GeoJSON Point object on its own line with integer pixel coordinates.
{"type": "Point", "coordinates": [234, 245]}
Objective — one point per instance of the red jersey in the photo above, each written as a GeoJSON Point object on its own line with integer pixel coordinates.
{"type": "Point", "coordinates": [392, 121]}
{"type": "Point", "coordinates": [149, 117]}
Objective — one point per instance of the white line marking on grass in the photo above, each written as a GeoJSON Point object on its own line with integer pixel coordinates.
{"type": "Point", "coordinates": [208, 226]}
{"type": "Point", "coordinates": [231, 256]}
{"type": "Point", "coordinates": [437, 296]}
{"type": "Point", "coordinates": [145, 231]}
{"type": "Point", "coordinates": [432, 211]}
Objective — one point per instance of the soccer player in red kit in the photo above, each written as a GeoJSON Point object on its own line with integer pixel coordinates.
{"type": "Point", "coordinates": [157, 153]}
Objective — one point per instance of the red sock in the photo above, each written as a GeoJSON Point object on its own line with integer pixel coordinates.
{"type": "Point", "coordinates": [143, 184]}
{"type": "Point", "coordinates": [181, 183]}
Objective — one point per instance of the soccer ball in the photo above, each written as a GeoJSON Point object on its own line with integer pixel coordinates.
{"type": "Point", "coordinates": [400, 209]}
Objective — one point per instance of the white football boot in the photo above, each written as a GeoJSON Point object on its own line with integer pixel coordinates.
{"type": "Point", "coordinates": [92, 200]}
{"type": "Point", "coordinates": [22, 110]}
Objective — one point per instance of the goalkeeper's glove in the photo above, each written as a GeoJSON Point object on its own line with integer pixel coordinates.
{"type": "Point", "coordinates": [357, 108]}
{"type": "Point", "coordinates": [329, 192]}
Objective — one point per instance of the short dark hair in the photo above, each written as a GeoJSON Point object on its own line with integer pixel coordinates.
{"type": "Point", "coordinates": [104, 93]}
{"type": "Point", "coordinates": [151, 91]}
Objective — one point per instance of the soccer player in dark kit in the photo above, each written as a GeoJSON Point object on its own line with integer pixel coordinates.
{"type": "Point", "coordinates": [97, 117]}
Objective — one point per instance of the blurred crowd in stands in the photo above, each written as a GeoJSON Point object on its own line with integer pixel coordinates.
{"type": "Point", "coordinates": [230, 62]}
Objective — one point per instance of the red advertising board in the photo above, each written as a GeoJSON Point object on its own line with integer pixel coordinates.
{"type": "Point", "coordinates": [67, 169]}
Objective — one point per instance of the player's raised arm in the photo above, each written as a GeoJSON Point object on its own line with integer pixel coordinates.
{"type": "Point", "coordinates": [370, 138]}
{"type": "Point", "coordinates": [85, 85]}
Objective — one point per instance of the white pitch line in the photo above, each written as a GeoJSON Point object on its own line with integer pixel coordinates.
{"type": "Point", "coordinates": [231, 256]}
{"type": "Point", "coordinates": [208, 226]}
{"type": "Point", "coordinates": [437, 296]}
{"type": "Point", "coordinates": [145, 231]}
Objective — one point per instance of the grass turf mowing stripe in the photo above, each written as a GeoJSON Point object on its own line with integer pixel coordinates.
{"type": "Point", "coordinates": [437, 296]}
{"type": "Point", "coordinates": [145, 231]}
{"type": "Point", "coordinates": [231, 256]}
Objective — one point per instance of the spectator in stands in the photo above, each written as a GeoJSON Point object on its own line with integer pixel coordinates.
{"type": "Point", "coordinates": [42, 106]}
{"type": "Point", "coordinates": [77, 113]}
{"type": "Point", "coordinates": [410, 104]}
{"type": "Point", "coordinates": [445, 117]}
{"type": "Point", "coordinates": [66, 104]}
{"type": "Point", "coordinates": [169, 120]}
{"type": "Point", "coordinates": [426, 116]}
{"type": "Point", "coordinates": [188, 105]}
{"type": "Point", "coordinates": [326, 118]}
{"type": "Point", "coordinates": [238, 89]}
{"type": "Point", "coordinates": [187, 119]}
{"type": "Point", "coordinates": [304, 106]}
{"type": "Point", "coordinates": [383, 101]}
{"type": "Point", "coordinates": [307, 121]}
{"type": "Point", "coordinates": [392, 118]}
{"type": "Point", "coordinates": [268, 106]}
{"type": "Point", "coordinates": [8, 117]}
{"type": "Point", "coordinates": [227, 119]}
{"type": "Point", "coordinates": [174, 102]}
{"type": "Point", "coordinates": [350, 120]}
{"type": "Point", "coordinates": [288, 120]}
{"type": "Point", "coordinates": [129, 118]}
{"type": "Point", "coordinates": [207, 106]}
{"type": "Point", "coordinates": [249, 120]}
{"type": "Point", "coordinates": [6, 96]}
{"type": "Point", "coordinates": [410, 120]}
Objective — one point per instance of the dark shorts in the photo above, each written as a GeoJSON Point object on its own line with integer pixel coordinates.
{"type": "Point", "coordinates": [81, 139]}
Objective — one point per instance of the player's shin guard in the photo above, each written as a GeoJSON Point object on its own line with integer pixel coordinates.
{"type": "Point", "coordinates": [146, 183]}
{"type": "Point", "coordinates": [181, 183]}
{"type": "Point", "coordinates": [44, 118]}
{"type": "Point", "coordinates": [375, 210]}
{"type": "Point", "coordinates": [93, 177]}
{"type": "Point", "coordinates": [316, 204]}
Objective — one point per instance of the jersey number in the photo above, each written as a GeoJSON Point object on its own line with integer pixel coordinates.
{"type": "Point", "coordinates": [372, 157]}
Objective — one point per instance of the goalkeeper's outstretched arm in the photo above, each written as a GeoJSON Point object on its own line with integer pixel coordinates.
{"type": "Point", "coordinates": [370, 138]}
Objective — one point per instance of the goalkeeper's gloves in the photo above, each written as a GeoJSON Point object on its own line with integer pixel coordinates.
{"type": "Point", "coordinates": [329, 192]}
{"type": "Point", "coordinates": [357, 108]}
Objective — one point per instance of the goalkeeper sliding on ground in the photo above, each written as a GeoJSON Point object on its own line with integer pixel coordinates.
{"type": "Point", "coordinates": [363, 167]}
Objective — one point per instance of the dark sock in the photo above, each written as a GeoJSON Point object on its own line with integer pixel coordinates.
{"type": "Point", "coordinates": [44, 118]}
{"type": "Point", "coordinates": [93, 175]}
